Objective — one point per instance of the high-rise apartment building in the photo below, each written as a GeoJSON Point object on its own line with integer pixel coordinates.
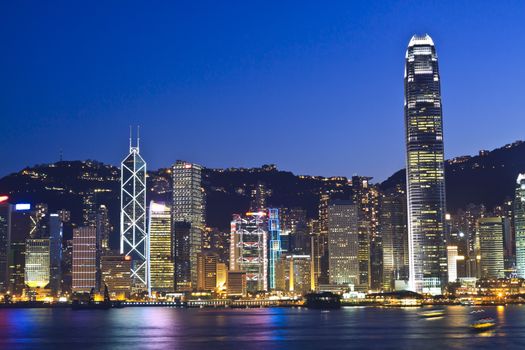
{"type": "Point", "coordinates": [85, 262]}
{"type": "Point", "coordinates": [133, 235]}
{"type": "Point", "coordinates": [248, 249]}
{"type": "Point", "coordinates": [188, 206]}
{"type": "Point", "coordinates": [491, 247]}
{"type": "Point", "coordinates": [343, 242]}
{"type": "Point", "coordinates": [425, 167]}
{"type": "Point", "coordinates": [519, 225]}
{"type": "Point", "coordinates": [161, 255]}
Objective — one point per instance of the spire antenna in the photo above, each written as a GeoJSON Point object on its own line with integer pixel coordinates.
{"type": "Point", "coordinates": [130, 137]}
{"type": "Point", "coordinates": [138, 137]}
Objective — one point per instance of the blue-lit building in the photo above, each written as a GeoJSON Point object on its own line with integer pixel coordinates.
{"type": "Point", "coordinates": [274, 233]}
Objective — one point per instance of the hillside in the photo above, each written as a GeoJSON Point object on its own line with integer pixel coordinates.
{"type": "Point", "coordinates": [487, 178]}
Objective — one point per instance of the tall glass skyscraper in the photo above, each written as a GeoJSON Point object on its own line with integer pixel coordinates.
{"type": "Point", "coordinates": [425, 167]}
{"type": "Point", "coordinates": [519, 225]}
{"type": "Point", "coordinates": [187, 209]}
{"type": "Point", "coordinates": [134, 241]}
{"type": "Point", "coordinates": [161, 255]}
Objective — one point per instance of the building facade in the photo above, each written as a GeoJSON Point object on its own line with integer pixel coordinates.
{"type": "Point", "coordinates": [343, 243]}
{"type": "Point", "coordinates": [394, 232]}
{"type": "Point", "coordinates": [248, 249]}
{"type": "Point", "coordinates": [161, 254]}
{"type": "Point", "coordinates": [425, 167]}
{"type": "Point", "coordinates": [116, 275]}
{"type": "Point", "coordinates": [134, 240]}
{"type": "Point", "coordinates": [188, 206]}
{"type": "Point", "coordinates": [490, 232]}
{"type": "Point", "coordinates": [519, 225]}
{"type": "Point", "coordinates": [37, 274]}
{"type": "Point", "coordinates": [85, 262]}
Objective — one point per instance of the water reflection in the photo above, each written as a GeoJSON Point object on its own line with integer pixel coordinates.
{"type": "Point", "coordinates": [168, 328]}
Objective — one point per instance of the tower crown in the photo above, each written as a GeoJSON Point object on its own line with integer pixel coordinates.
{"type": "Point", "coordinates": [421, 40]}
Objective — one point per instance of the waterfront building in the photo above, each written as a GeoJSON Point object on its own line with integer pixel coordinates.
{"type": "Point", "coordinates": [20, 228]}
{"type": "Point", "coordinates": [84, 259]}
{"type": "Point", "coordinates": [161, 254]}
{"type": "Point", "coordinates": [491, 247]}
{"type": "Point", "coordinates": [274, 248]}
{"type": "Point", "coordinates": [248, 249]}
{"type": "Point", "coordinates": [343, 242]}
{"type": "Point", "coordinates": [519, 225]}
{"type": "Point", "coordinates": [452, 263]}
{"type": "Point", "coordinates": [222, 276]}
{"type": "Point", "coordinates": [181, 240]}
{"type": "Point", "coordinates": [294, 274]}
{"type": "Point", "coordinates": [394, 233]}
{"type": "Point", "coordinates": [207, 268]}
{"type": "Point", "coordinates": [116, 274]}
{"type": "Point", "coordinates": [37, 263]}
{"type": "Point", "coordinates": [236, 284]}
{"type": "Point", "coordinates": [425, 167]}
{"type": "Point", "coordinates": [366, 198]}
{"type": "Point", "coordinates": [5, 218]}
{"type": "Point", "coordinates": [55, 253]}
{"type": "Point", "coordinates": [134, 240]}
{"type": "Point", "coordinates": [188, 206]}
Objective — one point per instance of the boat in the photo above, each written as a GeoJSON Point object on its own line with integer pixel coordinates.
{"type": "Point", "coordinates": [432, 313]}
{"type": "Point", "coordinates": [91, 305]}
{"type": "Point", "coordinates": [478, 311]}
{"type": "Point", "coordinates": [483, 324]}
{"type": "Point", "coordinates": [325, 300]}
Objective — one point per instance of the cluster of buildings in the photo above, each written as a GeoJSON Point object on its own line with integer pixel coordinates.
{"type": "Point", "coordinates": [368, 239]}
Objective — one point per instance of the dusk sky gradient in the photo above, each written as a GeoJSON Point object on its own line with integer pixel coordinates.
{"type": "Point", "coordinates": [315, 87]}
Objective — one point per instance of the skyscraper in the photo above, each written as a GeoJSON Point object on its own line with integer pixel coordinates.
{"type": "Point", "coordinates": [161, 256]}
{"type": "Point", "coordinates": [491, 247]}
{"type": "Point", "coordinates": [133, 235]}
{"type": "Point", "coordinates": [519, 224]}
{"type": "Point", "coordinates": [115, 274]}
{"type": "Point", "coordinates": [393, 223]}
{"type": "Point", "coordinates": [207, 271]}
{"type": "Point", "coordinates": [55, 253]}
{"type": "Point", "coordinates": [188, 206]}
{"type": "Point", "coordinates": [20, 228]}
{"type": "Point", "coordinates": [5, 218]}
{"type": "Point", "coordinates": [249, 249]}
{"type": "Point", "coordinates": [37, 263]}
{"type": "Point", "coordinates": [84, 259]}
{"type": "Point", "coordinates": [343, 242]}
{"type": "Point", "coordinates": [274, 232]}
{"type": "Point", "coordinates": [425, 167]}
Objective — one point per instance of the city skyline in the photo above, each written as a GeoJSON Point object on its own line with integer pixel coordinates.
{"type": "Point", "coordinates": [337, 56]}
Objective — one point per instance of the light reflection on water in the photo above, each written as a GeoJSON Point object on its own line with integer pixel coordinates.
{"type": "Point", "coordinates": [168, 328]}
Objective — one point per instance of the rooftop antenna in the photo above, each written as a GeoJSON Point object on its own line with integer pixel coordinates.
{"type": "Point", "coordinates": [130, 137]}
{"type": "Point", "coordinates": [138, 137]}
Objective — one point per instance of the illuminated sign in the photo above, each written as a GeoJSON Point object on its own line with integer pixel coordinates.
{"type": "Point", "coordinates": [22, 206]}
{"type": "Point", "coordinates": [3, 199]}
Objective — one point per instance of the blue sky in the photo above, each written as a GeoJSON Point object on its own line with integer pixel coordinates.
{"type": "Point", "coordinates": [315, 87]}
